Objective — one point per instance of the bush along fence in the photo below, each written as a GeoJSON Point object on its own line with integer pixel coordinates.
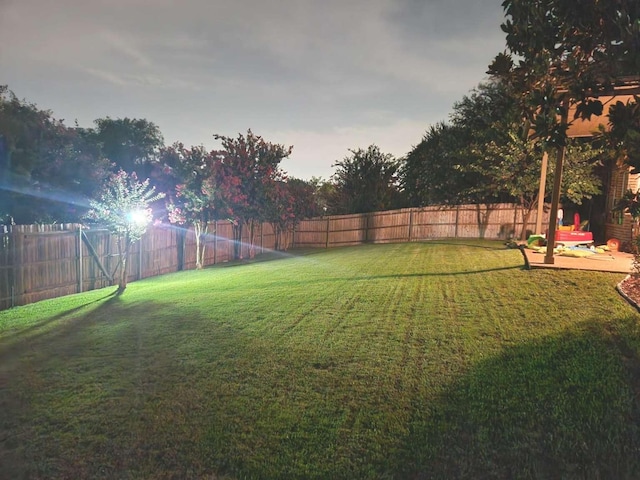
{"type": "Point", "coordinates": [46, 261]}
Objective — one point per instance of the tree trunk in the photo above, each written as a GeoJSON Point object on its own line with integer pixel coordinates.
{"type": "Point", "coordinates": [124, 254]}
{"type": "Point", "coordinates": [237, 240]}
{"type": "Point", "coordinates": [526, 209]}
{"type": "Point", "coordinates": [277, 232]}
{"type": "Point", "coordinates": [483, 218]}
{"type": "Point", "coordinates": [252, 234]}
{"type": "Point", "coordinates": [200, 232]}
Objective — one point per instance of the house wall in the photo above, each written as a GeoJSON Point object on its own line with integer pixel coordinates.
{"type": "Point", "coordinates": [620, 226]}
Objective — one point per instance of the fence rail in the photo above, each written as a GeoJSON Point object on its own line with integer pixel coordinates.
{"type": "Point", "coordinates": [46, 261]}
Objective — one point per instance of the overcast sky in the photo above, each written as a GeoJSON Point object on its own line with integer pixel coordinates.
{"type": "Point", "coordinates": [323, 76]}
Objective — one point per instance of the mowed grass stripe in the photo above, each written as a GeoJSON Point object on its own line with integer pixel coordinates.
{"type": "Point", "coordinates": [430, 360]}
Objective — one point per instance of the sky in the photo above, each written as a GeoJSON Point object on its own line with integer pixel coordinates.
{"type": "Point", "coordinates": [324, 76]}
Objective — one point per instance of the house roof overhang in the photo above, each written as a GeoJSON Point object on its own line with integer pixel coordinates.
{"type": "Point", "coordinates": [623, 91]}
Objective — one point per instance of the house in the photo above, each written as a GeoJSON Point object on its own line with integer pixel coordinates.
{"type": "Point", "coordinates": [616, 179]}
{"type": "Point", "coordinates": [617, 224]}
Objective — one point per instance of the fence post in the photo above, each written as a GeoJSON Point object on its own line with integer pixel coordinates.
{"type": "Point", "coordinates": [293, 235]}
{"type": "Point", "coordinates": [17, 287]}
{"type": "Point", "coordinates": [215, 242]}
{"type": "Point", "coordinates": [261, 238]}
{"type": "Point", "coordinates": [410, 224]}
{"type": "Point", "coordinates": [326, 245]}
{"type": "Point", "coordinates": [12, 271]}
{"type": "Point", "coordinates": [140, 259]}
{"type": "Point", "coordinates": [457, 221]}
{"type": "Point", "coordinates": [79, 269]}
{"type": "Point", "coordinates": [366, 228]}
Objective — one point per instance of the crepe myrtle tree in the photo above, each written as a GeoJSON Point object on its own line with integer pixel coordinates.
{"type": "Point", "coordinates": [255, 164]}
{"type": "Point", "coordinates": [199, 193]}
{"type": "Point", "coordinates": [123, 207]}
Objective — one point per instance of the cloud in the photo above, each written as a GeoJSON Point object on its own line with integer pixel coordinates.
{"type": "Point", "coordinates": [323, 76]}
{"type": "Point", "coordinates": [125, 45]}
{"type": "Point", "coordinates": [314, 153]}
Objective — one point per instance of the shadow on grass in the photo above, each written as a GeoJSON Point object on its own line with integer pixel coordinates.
{"type": "Point", "coordinates": [54, 318]}
{"type": "Point", "coordinates": [127, 391]}
{"type": "Point", "coordinates": [440, 274]}
{"type": "Point", "coordinates": [272, 255]}
{"type": "Point", "coordinates": [495, 244]}
{"type": "Point", "coordinates": [99, 395]}
{"type": "Point", "coordinates": [565, 406]}
{"type": "Point", "coordinates": [362, 278]}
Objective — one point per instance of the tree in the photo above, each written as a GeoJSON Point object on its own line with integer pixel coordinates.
{"type": "Point", "coordinates": [451, 165]}
{"type": "Point", "coordinates": [509, 161]}
{"type": "Point", "coordinates": [307, 195]}
{"type": "Point", "coordinates": [486, 157]}
{"type": "Point", "coordinates": [624, 134]}
{"type": "Point", "coordinates": [279, 211]}
{"type": "Point", "coordinates": [255, 163]}
{"type": "Point", "coordinates": [432, 174]}
{"type": "Point", "coordinates": [624, 139]}
{"type": "Point", "coordinates": [197, 196]}
{"type": "Point", "coordinates": [132, 145]}
{"type": "Point", "coordinates": [124, 208]}
{"type": "Point", "coordinates": [366, 181]}
{"type": "Point", "coordinates": [517, 171]}
{"type": "Point", "coordinates": [47, 170]}
{"type": "Point", "coordinates": [568, 53]}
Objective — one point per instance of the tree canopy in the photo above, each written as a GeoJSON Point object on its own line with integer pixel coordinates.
{"type": "Point", "coordinates": [566, 52]}
{"type": "Point", "coordinates": [366, 181]}
{"type": "Point", "coordinates": [131, 144]}
{"type": "Point", "coordinates": [124, 207]}
{"type": "Point", "coordinates": [484, 156]}
{"type": "Point", "coordinates": [48, 171]}
{"type": "Point", "coordinates": [255, 162]}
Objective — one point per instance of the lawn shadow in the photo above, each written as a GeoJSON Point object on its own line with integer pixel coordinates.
{"type": "Point", "coordinates": [100, 394]}
{"type": "Point", "coordinates": [267, 256]}
{"type": "Point", "coordinates": [399, 276]}
{"type": "Point", "coordinates": [54, 318]}
{"type": "Point", "coordinates": [564, 406]}
{"type": "Point", "coordinates": [495, 244]}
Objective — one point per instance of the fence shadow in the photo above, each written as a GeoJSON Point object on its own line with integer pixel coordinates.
{"type": "Point", "coordinates": [462, 243]}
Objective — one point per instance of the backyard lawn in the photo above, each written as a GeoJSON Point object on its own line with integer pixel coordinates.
{"type": "Point", "coordinates": [442, 359]}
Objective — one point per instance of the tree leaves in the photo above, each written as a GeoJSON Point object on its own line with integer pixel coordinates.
{"type": "Point", "coordinates": [122, 196]}
{"type": "Point", "coordinates": [366, 181]}
{"type": "Point", "coordinates": [570, 51]}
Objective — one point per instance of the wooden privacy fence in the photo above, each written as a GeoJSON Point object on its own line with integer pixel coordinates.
{"type": "Point", "coordinates": [47, 261]}
{"type": "Point", "coordinates": [497, 221]}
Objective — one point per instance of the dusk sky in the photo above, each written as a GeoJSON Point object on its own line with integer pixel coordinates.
{"type": "Point", "coordinates": [323, 76]}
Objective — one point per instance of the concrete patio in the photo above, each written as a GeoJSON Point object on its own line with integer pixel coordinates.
{"type": "Point", "coordinates": [617, 262]}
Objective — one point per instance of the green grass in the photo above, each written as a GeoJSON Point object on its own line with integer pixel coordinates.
{"type": "Point", "coordinates": [421, 360]}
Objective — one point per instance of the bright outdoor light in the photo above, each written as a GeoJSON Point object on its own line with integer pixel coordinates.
{"type": "Point", "coordinates": [138, 217]}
